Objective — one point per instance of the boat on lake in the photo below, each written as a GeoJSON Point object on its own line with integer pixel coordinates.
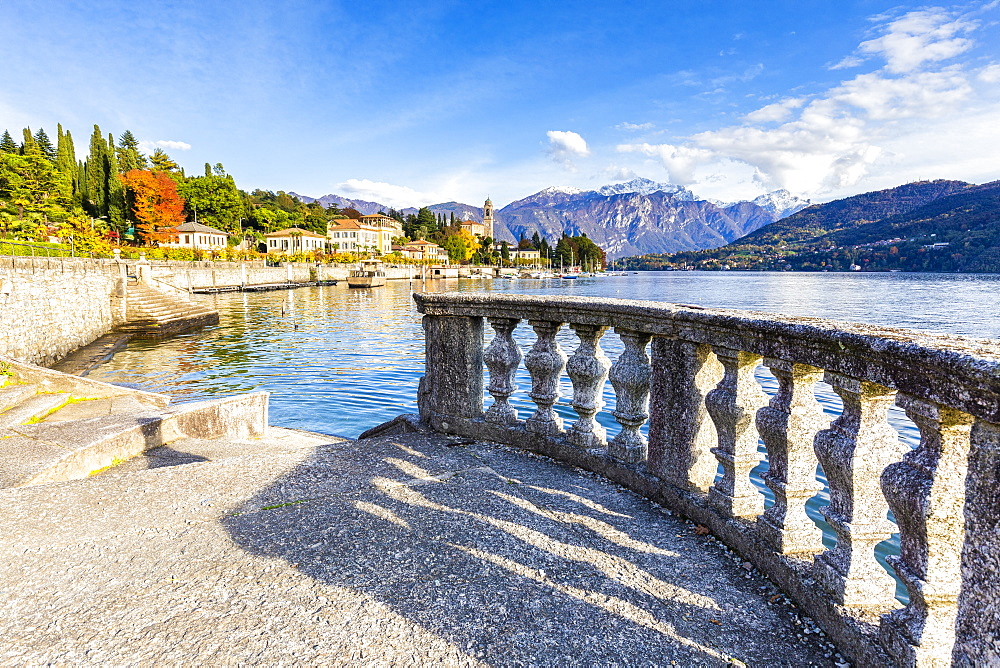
{"type": "Point", "coordinates": [371, 275]}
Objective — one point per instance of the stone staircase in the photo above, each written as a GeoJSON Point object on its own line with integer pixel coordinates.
{"type": "Point", "coordinates": [154, 314]}
{"type": "Point", "coordinates": [55, 426]}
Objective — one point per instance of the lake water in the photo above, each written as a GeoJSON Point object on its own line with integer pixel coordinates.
{"type": "Point", "coordinates": [339, 361]}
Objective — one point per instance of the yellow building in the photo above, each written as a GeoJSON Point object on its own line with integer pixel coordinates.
{"type": "Point", "coordinates": [352, 236]}
{"type": "Point", "coordinates": [294, 240]}
{"type": "Point", "coordinates": [477, 229]}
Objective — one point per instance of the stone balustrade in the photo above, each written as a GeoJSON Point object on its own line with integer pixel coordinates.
{"type": "Point", "coordinates": [695, 393]}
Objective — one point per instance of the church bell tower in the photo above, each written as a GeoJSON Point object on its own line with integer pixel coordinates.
{"type": "Point", "coordinates": [488, 217]}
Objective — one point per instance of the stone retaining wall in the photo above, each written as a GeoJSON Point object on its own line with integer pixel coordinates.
{"type": "Point", "coordinates": [52, 306]}
{"type": "Point", "coordinates": [49, 307]}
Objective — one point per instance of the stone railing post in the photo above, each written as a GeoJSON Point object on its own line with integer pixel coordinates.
{"type": "Point", "coordinates": [502, 357]}
{"type": "Point", "coordinates": [853, 452]}
{"type": "Point", "coordinates": [926, 492]}
{"type": "Point", "coordinates": [545, 361]}
{"type": "Point", "coordinates": [978, 625]}
{"type": "Point", "coordinates": [452, 385]}
{"type": "Point", "coordinates": [733, 406]}
{"type": "Point", "coordinates": [630, 376]}
{"type": "Point", "coordinates": [681, 432]}
{"type": "Point", "coordinates": [788, 426]}
{"type": "Point", "coordinates": [588, 369]}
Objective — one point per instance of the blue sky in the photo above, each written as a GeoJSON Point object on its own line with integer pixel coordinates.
{"type": "Point", "coordinates": [413, 103]}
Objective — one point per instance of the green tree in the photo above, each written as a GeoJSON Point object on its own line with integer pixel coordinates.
{"type": "Point", "coordinates": [116, 207]}
{"type": "Point", "coordinates": [216, 200]}
{"type": "Point", "coordinates": [162, 162]}
{"type": "Point", "coordinates": [7, 143]}
{"type": "Point", "coordinates": [128, 153]}
{"type": "Point", "coordinates": [31, 183]}
{"type": "Point", "coordinates": [97, 174]}
{"type": "Point", "coordinates": [45, 145]}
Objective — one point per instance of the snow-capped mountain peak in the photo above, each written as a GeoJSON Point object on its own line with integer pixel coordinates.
{"type": "Point", "coordinates": [781, 203]}
{"type": "Point", "coordinates": [643, 186]}
{"type": "Point", "coordinates": [561, 190]}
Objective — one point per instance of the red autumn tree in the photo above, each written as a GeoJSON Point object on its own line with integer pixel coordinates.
{"type": "Point", "coordinates": [156, 204]}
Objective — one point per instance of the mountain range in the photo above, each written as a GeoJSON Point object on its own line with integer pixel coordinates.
{"type": "Point", "coordinates": [923, 226]}
{"type": "Point", "coordinates": [636, 217]}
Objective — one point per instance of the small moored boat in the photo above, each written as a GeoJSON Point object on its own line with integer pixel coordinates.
{"type": "Point", "coordinates": [371, 275]}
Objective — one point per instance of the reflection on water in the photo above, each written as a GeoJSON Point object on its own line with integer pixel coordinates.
{"type": "Point", "coordinates": [340, 360]}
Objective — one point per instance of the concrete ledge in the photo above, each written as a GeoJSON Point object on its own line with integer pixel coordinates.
{"type": "Point", "coordinates": [43, 453]}
{"type": "Point", "coordinates": [49, 380]}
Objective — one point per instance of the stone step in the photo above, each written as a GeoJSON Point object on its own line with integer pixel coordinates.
{"type": "Point", "coordinates": [15, 394]}
{"type": "Point", "coordinates": [34, 407]}
{"type": "Point", "coordinates": [89, 408]}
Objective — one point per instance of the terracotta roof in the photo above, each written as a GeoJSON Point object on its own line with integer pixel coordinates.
{"type": "Point", "coordinates": [349, 224]}
{"type": "Point", "coordinates": [421, 242]}
{"type": "Point", "coordinates": [289, 230]}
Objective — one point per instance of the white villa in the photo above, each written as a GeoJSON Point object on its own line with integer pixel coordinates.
{"type": "Point", "coordinates": [294, 240]}
{"type": "Point", "coordinates": [196, 235]}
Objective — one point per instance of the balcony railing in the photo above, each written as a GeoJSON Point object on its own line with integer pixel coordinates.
{"type": "Point", "coordinates": [685, 377]}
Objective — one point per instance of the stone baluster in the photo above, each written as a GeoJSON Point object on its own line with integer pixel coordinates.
{"type": "Point", "coordinates": [788, 426]}
{"type": "Point", "coordinates": [733, 405]}
{"type": "Point", "coordinates": [681, 433]}
{"type": "Point", "coordinates": [588, 369]}
{"type": "Point", "coordinates": [502, 357]}
{"type": "Point", "coordinates": [453, 383]}
{"type": "Point", "coordinates": [630, 376]}
{"type": "Point", "coordinates": [926, 492]}
{"type": "Point", "coordinates": [853, 453]}
{"type": "Point", "coordinates": [978, 623]}
{"type": "Point", "coordinates": [545, 361]}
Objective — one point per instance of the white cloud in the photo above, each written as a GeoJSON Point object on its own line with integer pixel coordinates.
{"type": "Point", "coordinates": [779, 111]}
{"type": "Point", "coordinates": [919, 37]}
{"type": "Point", "coordinates": [616, 173]}
{"type": "Point", "coordinates": [873, 125]}
{"type": "Point", "coordinates": [175, 145]}
{"type": "Point", "coordinates": [150, 146]}
{"type": "Point", "coordinates": [679, 161]}
{"type": "Point", "coordinates": [634, 127]}
{"type": "Point", "coordinates": [846, 63]}
{"type": "Point", "coordinates": [565, 145]}
{"type": "Point", "coordinates": [386, 193]}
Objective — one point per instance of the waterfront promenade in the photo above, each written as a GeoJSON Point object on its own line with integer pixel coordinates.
{"type": "Point", "coordinates": [406, 550]}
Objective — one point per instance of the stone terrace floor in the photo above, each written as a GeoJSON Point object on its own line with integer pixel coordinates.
{"type": "Point", "coordinates": [403, 550]}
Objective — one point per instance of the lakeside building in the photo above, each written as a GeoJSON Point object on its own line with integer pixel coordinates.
{"type": "Point", "coordinates": [294, 240]}
{"type": "Point", "coordinates": [196, 235]}
{"type": "Point", "coordinates": [529, 255]}
{"type": "Point", "coordinates": [422, 249]}
{"type": "Point", "coordinates": [477, 229]}
{"type": "Point", "coordinates": [351, 236]}
{"type": "Point", "coordinates": [368, 233]}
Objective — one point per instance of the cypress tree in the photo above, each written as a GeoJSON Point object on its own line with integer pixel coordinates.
{"type": "Point", "coordinates": [28, 142]}
{"type": "Point", "coordinates": [80, 185]}
{"type": "Point", "coordinates": [115, 189]}
{"type": "Point", "coordinates": [7, 143]}
{"type": "Point", "coordinates": [452, 222]}
{"type": "Point", "coordinates": [45, 145]}
{"type": "Point", "coordinates": [97, 174]}
{"type": "Point", "coordinates": [208, 169]}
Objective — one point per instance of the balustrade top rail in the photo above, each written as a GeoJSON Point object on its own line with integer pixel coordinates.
{"type": "Point", "coordinates": [958, 371]}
